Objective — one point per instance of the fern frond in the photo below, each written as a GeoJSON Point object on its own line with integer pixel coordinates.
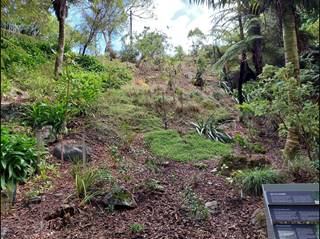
{"type": "Point", "coordinates": [18, 36]}
{"type": "Point", "coordinates": [232, 53]}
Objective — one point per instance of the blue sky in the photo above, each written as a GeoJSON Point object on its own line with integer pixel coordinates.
{"type": "Point", "coordinates": [179, 16]}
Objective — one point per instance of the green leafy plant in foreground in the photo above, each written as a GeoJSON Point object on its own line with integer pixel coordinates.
{"type": "Point", "coordinates": [18, 153]}
{"type": "Point", "coordinates": [209, 130]}
{"type": "Point", "coordinates": [250, 181]}
{"type": "Point", "coordinates": [191, 200]}
{"type": "Point", "coordinates": [42, 182]}
{"type": "Point", "coordinates": [47, 113]}
{"type": "Point", "coordinates": [241, 141]}
{"type": "Point", "coordinates": [137, 227]}
{"type": "Point", "coordinates": [86, 178]}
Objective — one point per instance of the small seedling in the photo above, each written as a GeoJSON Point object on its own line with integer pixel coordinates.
{"type": "Point", "coordinates": [173, 179]}
{"type": "Point", "coordinates": [137, 227]}
{"type": "Point", "coordinates": [110, 208]}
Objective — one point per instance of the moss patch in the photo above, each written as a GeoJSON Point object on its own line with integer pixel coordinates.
{"type": "Point", "coordinates": [141, 118]}
{"type": "Point", "coordinates": [191, 147]}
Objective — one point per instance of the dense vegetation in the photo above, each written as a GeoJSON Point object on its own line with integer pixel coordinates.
{"type": "Point", "coordinates": [267, 83]}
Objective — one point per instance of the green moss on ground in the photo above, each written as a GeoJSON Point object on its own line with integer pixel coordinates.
{"type": "Point", "coordinates": [140, 118]}
{"type": "Point", "coordinates": [191, 147]}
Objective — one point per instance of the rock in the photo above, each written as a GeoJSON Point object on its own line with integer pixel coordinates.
{"type": "Point", "coordinates": [3, 232]}
{"type": "Point", "coordinates": [211, 206]}
{"type": "Point", "coordinates": [231, 162]}
{"type": "Point", "coordinates": [13, 111]}
{"type": "Point", "coordinates": [119, 197]}
{"type": "Point", "coordinates": [46, 134]}
{"type": "Point", "coordinates": [57, 195]}
{"type": "Point", "coordinates": [35, 200]}
{"type": "Point", "coordinates": [258, 219]}
{"type": "Point", "coordinates": [188, 214]}
{"type": "Point", "coordinates": [71, 152]}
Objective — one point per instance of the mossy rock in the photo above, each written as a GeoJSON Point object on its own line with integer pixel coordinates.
{"type": "Point", "coordinates": [256, 148]}
{"type": "Point", "coordinates": [119, 197]}
{"type": "Point", "coordinates": [241, 162]}
{"type": "Point", "coordinates": [13, 111]}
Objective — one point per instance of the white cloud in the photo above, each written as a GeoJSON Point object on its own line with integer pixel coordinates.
{"type": "Point", "coordinates": [192, 16]}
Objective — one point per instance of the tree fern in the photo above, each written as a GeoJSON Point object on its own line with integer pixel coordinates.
{"type": "Point", "coordinates": [234, 51]}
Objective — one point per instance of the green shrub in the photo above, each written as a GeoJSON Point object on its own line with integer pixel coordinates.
{"type": "Point", "coordinates": [5, 87]}
{"type": "Point", "coordinates": [250, 181]}
{"type": "Point", "coordinates": [113, 74]}
{"type": "Point", "coordinates": [191, 148]}
{"type": "Point", "coordinates": [241, 141]}
{"type": "Point", "coordinates": [89, 63]}
{"type": "Point", "coordinates": [84, 92]}
{"type": "Point", "coordinates": [37, 53]}
{"type": "Point", "coordinates": [18, 152]}
{"type": "Point", "coordinates": [47, 113]}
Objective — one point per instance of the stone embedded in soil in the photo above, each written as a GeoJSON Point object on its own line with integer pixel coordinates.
{"type": "Point", "coordinates": [119, 197]}
{"type": "Point", "coordinates": [71, 152]}
{"type": "Point", "coordinates": [46, 134]}
{"type": "Point", "coordinates": [258, 219]}
{"type": "Point", "coordinates": [35, 200]}
{"type": "Point", "coordinates": [3, 232]}
{"type": "Point", "coordinates": [211, 206]}
{"type": "Point", "coordinates": [241, 162]}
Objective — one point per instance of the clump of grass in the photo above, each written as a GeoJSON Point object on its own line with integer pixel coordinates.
{"type": "Point", "coordinates": [137, 227]}
{"type": "Point", "coordinates": [191, 148]}
{"type": "Point", "coordinates": [250, 181]}
{"type": "Point", "coordinates": [297, 164]}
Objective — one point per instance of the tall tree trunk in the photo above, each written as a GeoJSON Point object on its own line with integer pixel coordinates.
{"type": "Point", "coordinates": [108, 40]}
{"type": "Point", "coordinates": [257, 52]}
{"type": "Point", "coordinates": [242, 65]}
{"type": "Point", "coordinates": [84, 49]}
{"type": "Point", "coordinates": [292, 145]}
{"type": "Point", "coordinates": [59, 59]}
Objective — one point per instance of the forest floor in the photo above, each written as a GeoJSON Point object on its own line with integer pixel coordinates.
{"type": "Point", "coordinates": [158, 211]}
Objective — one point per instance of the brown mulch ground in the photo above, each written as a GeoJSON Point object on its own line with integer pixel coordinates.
{"type": "Point", "coordinates": [158, 211]}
